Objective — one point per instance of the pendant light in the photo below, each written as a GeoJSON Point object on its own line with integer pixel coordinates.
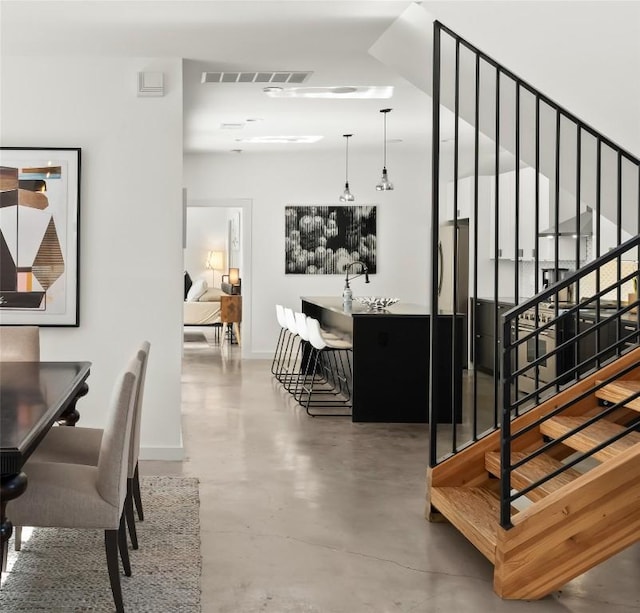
{"type": "Point", "coordinates": [384, 184]}
{"type": "Point", "coordinates": [347, 196]}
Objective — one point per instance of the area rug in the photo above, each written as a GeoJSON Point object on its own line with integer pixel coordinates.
{"type": "Point", "coordinates": [66, 570]}
{"type": "Point", "coordinates": [194, 337]}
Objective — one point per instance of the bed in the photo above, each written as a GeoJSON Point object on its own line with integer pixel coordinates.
{"type": "Point", "coordinates": [202, 305]}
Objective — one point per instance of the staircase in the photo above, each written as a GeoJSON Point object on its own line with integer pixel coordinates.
{"type": "Point", "coordinates": [571, 521]}
{"type": "Point", "coordinates": [552, 488]}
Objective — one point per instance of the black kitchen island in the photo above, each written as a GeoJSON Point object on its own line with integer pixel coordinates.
{"type": "Point", "coordinates": [391, 351]}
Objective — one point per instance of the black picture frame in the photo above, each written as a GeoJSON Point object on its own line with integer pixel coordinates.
{"type": "Point", "coordinates": [40, 236]}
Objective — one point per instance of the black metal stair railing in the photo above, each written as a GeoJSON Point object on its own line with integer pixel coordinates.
{"type": "Point", "coordinates": [524, 173]}
{"type": "Point", "coordinates": [515, 401]}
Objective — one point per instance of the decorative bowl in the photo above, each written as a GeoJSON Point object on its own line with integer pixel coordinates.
{"type": "Point", "coordinates": [376, 302]}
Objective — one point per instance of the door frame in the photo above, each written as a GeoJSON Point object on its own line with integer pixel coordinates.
{"type": "Point", "coordinates": [246, 205]}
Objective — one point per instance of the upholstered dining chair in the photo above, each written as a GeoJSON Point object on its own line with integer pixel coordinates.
{"type": "Point", "coordinates": [19, 344]}
{"type": "Point", "coordinates": [82, 446]}
{"type": "Point", "coordinates": [61, 495]}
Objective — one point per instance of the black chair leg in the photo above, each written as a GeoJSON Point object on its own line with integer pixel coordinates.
{"type": "Point", "coordinates": [4, 557]}
{"type": "Point", "coordinates": [111, 549]}
{"type": "Point", "coordinates": [122, 546]}
{"type": "Point", "coordinates": [136, 494]}
{"type": "Point", "coordinates": [128, 513]}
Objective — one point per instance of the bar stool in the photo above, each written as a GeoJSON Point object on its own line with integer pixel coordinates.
{"type": "Point", "coordinates": [281, 338]}
{"type": "Point", "coordinates": [330, 356]}
{"type": "Point", "coordinates": [308, 357]}
{"type": "Point", "coordinates": [291, 371]}
{"type": "Point", "coordinates": [286, 344]}
{"type": "Point", "coordinates": [308, 353]}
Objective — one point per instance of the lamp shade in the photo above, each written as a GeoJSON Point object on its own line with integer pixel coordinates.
{"type": "Point", "coordinates": [215, 260]}
{"type": "Point", "coordinates": [234, 276]}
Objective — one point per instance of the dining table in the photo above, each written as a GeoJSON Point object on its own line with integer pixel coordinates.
{"type": "Point", "coordinates": [33, 397]}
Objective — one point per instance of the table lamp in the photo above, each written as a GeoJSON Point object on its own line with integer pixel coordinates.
{"type": "Point", "coordinates": [215, 261]}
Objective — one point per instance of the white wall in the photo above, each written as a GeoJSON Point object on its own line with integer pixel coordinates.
{"type": "Point", "coordinates": [207, 230]}
{"type": "Point", "coordinates": [579, 54]}
{"type": "Point", "coordinates": [583, 55]}
{"type": "Point", "coordinates": [131, 219]}
{"type": "Point", "coordinates": [273, 181]}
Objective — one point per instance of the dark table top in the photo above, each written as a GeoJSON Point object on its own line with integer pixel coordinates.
{"type": "Point", "coordinates": [32, 396]}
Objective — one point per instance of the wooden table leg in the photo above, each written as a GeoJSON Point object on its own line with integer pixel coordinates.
{"type": "Point", "coordinates": [71, 415]}
{"type": "Point", "coordinates": [236, 329]}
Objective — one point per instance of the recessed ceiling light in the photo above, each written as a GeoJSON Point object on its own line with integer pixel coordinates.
{"type": "Point", "coordinates": [253, 119]}
{"type": "Point", "coordinates": [231, 126]}
{"type": "Point", "coordinates": [279, 139]}
{"type": "Point", "coordinates": [338, 92]}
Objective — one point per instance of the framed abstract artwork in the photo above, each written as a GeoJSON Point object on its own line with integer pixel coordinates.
{"type": "Point", "coordinates": [323, 239]}
{"type": "Point", "coordinates": [39, 236]}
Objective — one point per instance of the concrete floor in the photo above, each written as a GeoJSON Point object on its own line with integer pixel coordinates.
{"type": "Point", "coordinates": [303, 514]}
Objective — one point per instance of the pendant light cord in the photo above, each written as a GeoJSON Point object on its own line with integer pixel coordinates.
{"type": "Point", "coordinates": [384, 157]}
{"type": "Point", "coordinates": [384, 141]}
{"type": "Point", "coordinates": [346, 164]}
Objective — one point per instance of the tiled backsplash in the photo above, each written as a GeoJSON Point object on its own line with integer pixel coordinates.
{"type": "Point", "coordinates": [608, 275]}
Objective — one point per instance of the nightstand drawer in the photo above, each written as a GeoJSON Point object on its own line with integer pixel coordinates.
{"type": "Point", "coordinates": [230, 309]}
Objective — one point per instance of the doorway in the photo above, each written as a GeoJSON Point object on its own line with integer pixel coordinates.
{"type": "Point", "coordinates": [230, 233]}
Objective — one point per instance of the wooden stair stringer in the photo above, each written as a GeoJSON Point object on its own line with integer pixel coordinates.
{"type": "Point", "coordinates": [571, 530]}
{"type": "Point", "coordinates": [466, 468]}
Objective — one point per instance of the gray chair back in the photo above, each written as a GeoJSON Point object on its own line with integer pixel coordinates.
{"type": "Point", "coordinates": [19, 344]}
{"type": "Point", "coordinates": [113, 462]}
{"type": "Point", "coordinates": [134, 448]}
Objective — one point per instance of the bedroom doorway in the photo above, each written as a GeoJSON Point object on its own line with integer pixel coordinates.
{"type": "Point", "coordinates": [222, 226]}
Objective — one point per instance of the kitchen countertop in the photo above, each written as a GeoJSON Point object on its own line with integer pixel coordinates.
{"type": "Point", "coordinates": [334, 304]}
{"type": "Point", "coordinates": [509, 300]}
{"type": "Point", "coordinates": [606, 313]}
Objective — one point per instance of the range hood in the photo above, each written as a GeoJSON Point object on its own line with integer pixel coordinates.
{"type": "Point", "coordinates": [568, 226]}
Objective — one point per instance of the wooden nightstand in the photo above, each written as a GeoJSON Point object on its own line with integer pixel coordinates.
{"type": "Point", "coordinates": [231, 312]}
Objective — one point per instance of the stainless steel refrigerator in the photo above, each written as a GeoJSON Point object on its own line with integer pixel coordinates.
{"type": "Point", "coordinates": [454, 273]}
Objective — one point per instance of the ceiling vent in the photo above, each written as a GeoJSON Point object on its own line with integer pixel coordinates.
{"type": "Point", "coordinates": [280, 77]}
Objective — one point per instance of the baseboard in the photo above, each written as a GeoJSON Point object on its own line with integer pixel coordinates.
{"type": "Point", "coordinates": [258, 355]}
{"type": "Point", "coordinates": [169, 454]}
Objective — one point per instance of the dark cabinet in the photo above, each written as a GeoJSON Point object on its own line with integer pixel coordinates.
{"type": "Point", "coordinates": [391, 360]}
{"type": "Point", "coordinates": [484, 353]}
{"type": "Point", "coordinates": [484, 332]}
{"type": "Point", "coordinates": [630, 329]}
{"type": "Point", "coordinates": [598, 339]}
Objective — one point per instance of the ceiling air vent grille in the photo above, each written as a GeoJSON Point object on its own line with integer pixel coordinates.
{"type": "Point", "coordinates": [280, 77]}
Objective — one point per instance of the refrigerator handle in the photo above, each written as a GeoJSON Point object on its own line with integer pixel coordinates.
{"type": "Point", "coordinates": [440, 267]}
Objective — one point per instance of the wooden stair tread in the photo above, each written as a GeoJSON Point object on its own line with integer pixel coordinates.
{"type": "Point", "coordinates": [474, 511]}
{"type": "Point", "coordinates": [591, 436]}
{"type": "Point", "coordinates": [533, 470]}
{"type": "Point", "coordinates": [618, 391]}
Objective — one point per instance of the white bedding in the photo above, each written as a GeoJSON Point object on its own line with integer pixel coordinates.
{"type": "Point", "coordinates": [205, 311]}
